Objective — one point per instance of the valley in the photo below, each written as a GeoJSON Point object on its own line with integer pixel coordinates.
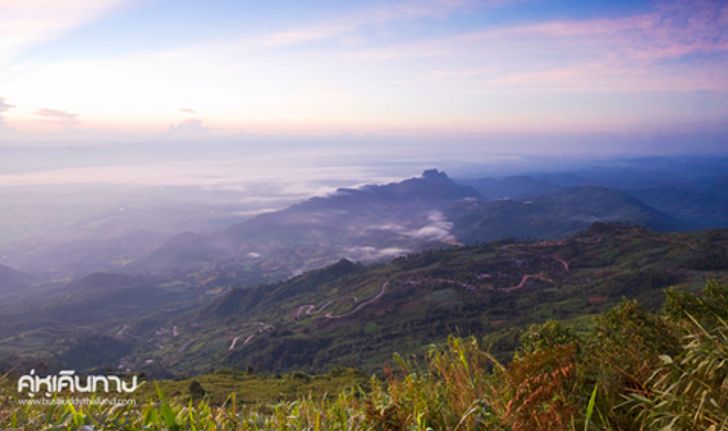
{"type": "Point", "coordinates": [349, 315]}
{"type": "Point", "coordinates": [350, 278]}
{"type": "Point", "coordinates": [318, 295]}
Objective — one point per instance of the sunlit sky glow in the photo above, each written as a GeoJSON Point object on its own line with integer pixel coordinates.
{"type": "Point", "coordinates": [90, 69]}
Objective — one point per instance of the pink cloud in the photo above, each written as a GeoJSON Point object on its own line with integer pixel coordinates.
{"type": "Point", "coordinates": [676, 47]}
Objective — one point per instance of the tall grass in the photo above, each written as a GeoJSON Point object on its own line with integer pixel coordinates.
{"type": "Point", "coordinates": [690, 390]}
{"type": "Point", "coordinates": [553, 383]}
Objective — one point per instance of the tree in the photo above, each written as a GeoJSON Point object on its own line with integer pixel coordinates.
{"type": "Point", "coordinates": [197, 392]}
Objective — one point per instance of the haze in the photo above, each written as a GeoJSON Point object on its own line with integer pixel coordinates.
{"type": "Point", "coordinates": [125, 115]}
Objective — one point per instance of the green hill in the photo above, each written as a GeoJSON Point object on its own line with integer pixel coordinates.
{"type": "Point", "coordinates": [632, 370]}
{"type": "Point", "coordinates": [353, 315]}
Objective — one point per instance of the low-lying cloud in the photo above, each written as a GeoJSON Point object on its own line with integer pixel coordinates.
{"type": "Point", "coordinates": [57, 116]}
{"type": "Point", "coordinates": [436, 228]}
{"type": "Point", "coordinates": [368, 253]}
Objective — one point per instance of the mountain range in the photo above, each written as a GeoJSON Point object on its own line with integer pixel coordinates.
{"type": "Point", "coordinates": [362, 272]}
{"type": "Point", "coordinates": [379, 222]}
{"type": "Point", "coordinates": [11, 280]}
{"type": "Point", "coordinates": [366, 224]}
{"type": "Point", "coordinates": [552, 215]}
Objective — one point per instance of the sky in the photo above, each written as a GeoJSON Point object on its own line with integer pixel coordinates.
{"type": "Point", "coordinates": [542, 74]}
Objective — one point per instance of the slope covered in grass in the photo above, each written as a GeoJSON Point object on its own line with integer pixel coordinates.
{"type": "Point", "coordinates": [634, 370]}
{"type": "Point", "coordinates": [357, 316]}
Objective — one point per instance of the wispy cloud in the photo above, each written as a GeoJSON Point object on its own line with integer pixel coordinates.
{"type": "Point", "coordinates": [435, 227]}
{"type": "Point", "coordinates": [369, 253]}
{"type": "Point", "coordinates": [680, 46]}
{"type": "Point", "coordinates": [4, 107]}
{"type": "Point", "coordinates": [57, 117]}
{"type": "Point", "coordinates": [29, 22]}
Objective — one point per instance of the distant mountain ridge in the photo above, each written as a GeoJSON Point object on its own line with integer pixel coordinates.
{"type": "Point", "coordinates": [431, 186]}
{"type": "Point", "coordinates": [691, 190]}
{"type": "Point", "coordinates": [364, 224]}
{"type": "Point", "coordinates": [553, 215]}
{"type": "Point", "coordinates": [697, 208]}
{"type": "Point", "coordinates": [513, 187]}
{"type": "Point", "coordinates": [379, 222]}
{"type": "Point", "coordinates": [12, 279]}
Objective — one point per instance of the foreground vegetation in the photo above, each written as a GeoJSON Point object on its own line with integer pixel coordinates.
{"type": "Point", "coordinates": [632, 370]}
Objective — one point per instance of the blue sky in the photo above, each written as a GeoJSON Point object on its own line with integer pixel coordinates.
{"type": "Point", "coordinates": [84, 70]}
{"type": "Point", "coordinates": [160, 24]}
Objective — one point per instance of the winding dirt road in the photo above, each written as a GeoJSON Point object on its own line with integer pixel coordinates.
{"type": "Point", "coordinates": [310, 309]}
{"type": "Point", "coordinates": [540, 276]}
{"type": "Point", "coordinates": [234, 342]}
{"type": "Point", "coordinates": [261, 327]}
{"type": "Point", "coordinates": [564, 263]}
{"type": "Point", "coordinates": [369, 301]}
